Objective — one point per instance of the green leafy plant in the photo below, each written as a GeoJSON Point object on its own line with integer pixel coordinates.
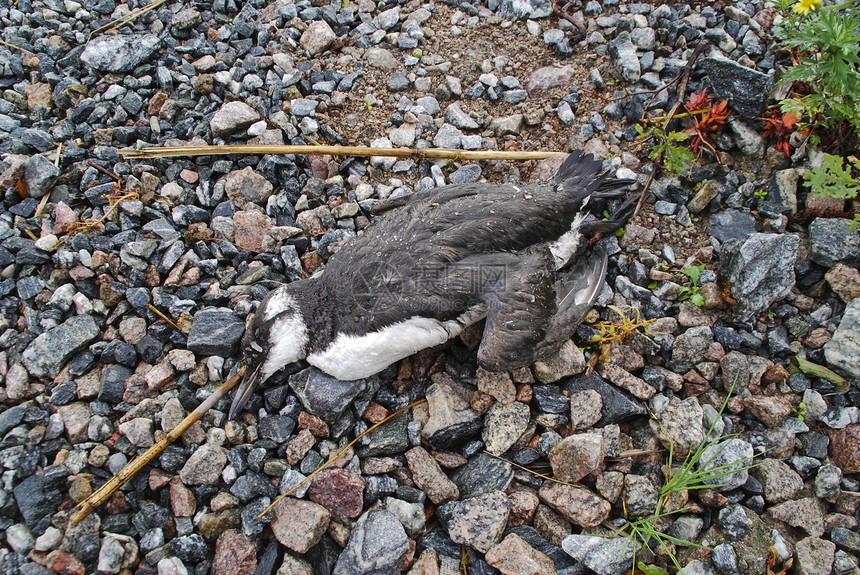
{"type": "Point", "coordinates": [800, 411]}
{"type": "Point", "coordinates": [827, 61]}
{"type": "Point", "coordinates": [760, 193]}
{"type": "Point", "coordinates": [835, 179]}
{"type": "Point", "coordinates": [692, 293]}
{"type": "Point", "coordinates": [665, 149]}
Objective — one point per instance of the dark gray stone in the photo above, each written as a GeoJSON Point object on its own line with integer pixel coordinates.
{"type": "Point", "coordinates": [216, 331]}
{"type": "Point", "coordinates": [831, 241]}
{"type": "Point", "coordinates": [119, 53]}
{"type": "Point", "coordinates": [326, 396]}
{"type": "Point", "coordinates": [482, 474]}
{"type": "Point", "coordinates": [618, 405]}
{"type": "Point", "coordinates": [731, 225]}
{"type": "Point", "coordinates": [749, 266]}
{"type": "Point", "coordinates": [37, 502]}
{"type": "Point", "coordinates": [112, 385]}
{"type": "Point", "coordinates": [377, 545]}
{"type": "Point", "coordinates": [745, 89]}
{"type": "Point", "coordinates": [40, 175]}
{"type": "Point", "coordinates": [47, 354]}
{"type": "Point", "coordinates": [390, 438]}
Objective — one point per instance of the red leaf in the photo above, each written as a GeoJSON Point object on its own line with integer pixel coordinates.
{"type": "Point", "coordinates": [699, 101]}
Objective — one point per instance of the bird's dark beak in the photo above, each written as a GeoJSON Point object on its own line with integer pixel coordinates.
{"type": "Point", "coordinates": [252, 380]}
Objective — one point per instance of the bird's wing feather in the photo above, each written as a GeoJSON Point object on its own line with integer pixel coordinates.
{"type": "Point", "coordinates": [519, 312]}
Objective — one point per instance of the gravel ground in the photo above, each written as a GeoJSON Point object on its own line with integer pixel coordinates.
{"type": "Point", "coordinates": [93, 375]}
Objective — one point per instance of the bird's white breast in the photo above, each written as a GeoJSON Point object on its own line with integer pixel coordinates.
{"type": "Point", "coordinates": [351, 357]}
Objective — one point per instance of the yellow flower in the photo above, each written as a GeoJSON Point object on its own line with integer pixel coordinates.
{"type": "Point", "coordinates": [804, 6]}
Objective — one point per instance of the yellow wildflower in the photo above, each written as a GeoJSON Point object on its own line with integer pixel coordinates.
{"type": "Point", "coordinates": [804, 6]}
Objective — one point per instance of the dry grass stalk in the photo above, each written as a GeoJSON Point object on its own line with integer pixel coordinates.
{"type": "Point", "coordinates": [339, 453]}
{"type": "Point", "coordinates": [418, 153]}
{"type": "Point", "coordinates": [128, 18]}
{"type": "Point", "coordinates": [535, 473]}
{"type": "Point", "coordinates": [103, 493]}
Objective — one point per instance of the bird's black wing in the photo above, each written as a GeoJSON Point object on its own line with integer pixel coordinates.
{"type": "Point", "coordinates": [520, 310]}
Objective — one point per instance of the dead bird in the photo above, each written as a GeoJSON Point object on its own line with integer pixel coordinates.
{"type": "Point", "coordinates": [438, 261]}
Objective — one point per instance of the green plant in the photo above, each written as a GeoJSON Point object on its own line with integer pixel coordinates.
{"type": "Point", "coordinates": [827, 56]}
{"type": "Point", "coordinates": [692, 474]}
{"type": "Point", "coordinates": [665, 149]}
{"type": "Point", "coordinates": [800, 411]}
{"type": "Point", "coordinates": [692, 293]}
{"type": "Point", "coordinates": [760, 193]}
{"type": "Point", "coordinates": [834, 180]}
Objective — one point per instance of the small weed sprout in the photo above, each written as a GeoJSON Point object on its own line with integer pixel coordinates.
{"type": "Point", "coordinates": [666, 149]}
{"type": "Point", "coordinates": [692, 293]}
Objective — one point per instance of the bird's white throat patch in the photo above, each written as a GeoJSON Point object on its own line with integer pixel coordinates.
{"type": "Point", "coordinates": [280, 301]}
{"type": "Point", "coordinates": [351, 357]}
{"type": "Point", "coordinates": [288, 342]}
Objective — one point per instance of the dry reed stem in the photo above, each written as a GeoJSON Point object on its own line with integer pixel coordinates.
{"type": "Point", "coordinates": [103, 493]}
{"type": "Point", "coordinates": [420, 153]}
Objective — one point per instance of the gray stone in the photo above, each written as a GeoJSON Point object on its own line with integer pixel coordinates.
{"type": "Point", "coordinates": [749, 265]}
{"type": "Point", "coordinates": [204, 466]}
{"type": "Point", "coordinates": [726, 457]}
{"type": "Point", "coordinates": [731, 225]}
{"type": "Point", "coordinates": [504, 424]}
{"type": "Point", "coordinates": [110, 555]}
{"type": "Point", "coordinates": [477, 522]}
{"type": "Point", "coordinates": [40, 175]}
{"type": "Point", "coordinates": [690, 348]}
{"type": "Point", "coordinates": [326, 396]}
{"type": "Point", "coordinates": [380, 58]}
{"type": "Point", "coordinates": [843, 349]}
{"type": "Point", "coordinates": [215, 331]}
{"type": "Point", "coordinates": [452, 419]}
{"type": "Point", "coordinates": [231, 118]}
{"type": "Point", "coordinates": [447, 137]}
{"type": "Point", "coordinates": [725, 559]}
{"type": "Point", "coordinates": [466, 174]}
{"type": "Point", "coordinates": [460, 119]}
{"type": "Point", "coordinates": [745, 89]}
{"type": "Point", "coordinates": [827, 482]}
{"type": "Point", "coordinates": [747, 138]}
{"type": "Point", "coordinates": [119, 53]}
{"type": "Point", "coordinates": [831, 241]}
{"type": "Point", "coordinates": [618, 406]}
{"type": "Point", "coordinates": [46, 355]}
{"type": "Point", "coordinates": [521, 9]}
{"type": "Point", "coordinates": [846, 539]}
{"type": "Point", "coordinates": [603, 555]}
{"type": "Point", "coordinates": [679, 424]}
{"type": "Point", "coordinates": [377, 545]}
{"type": "Point", "coordinates": [623, 53]}
{"type": "Point", "coordinates": [814, 556]}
